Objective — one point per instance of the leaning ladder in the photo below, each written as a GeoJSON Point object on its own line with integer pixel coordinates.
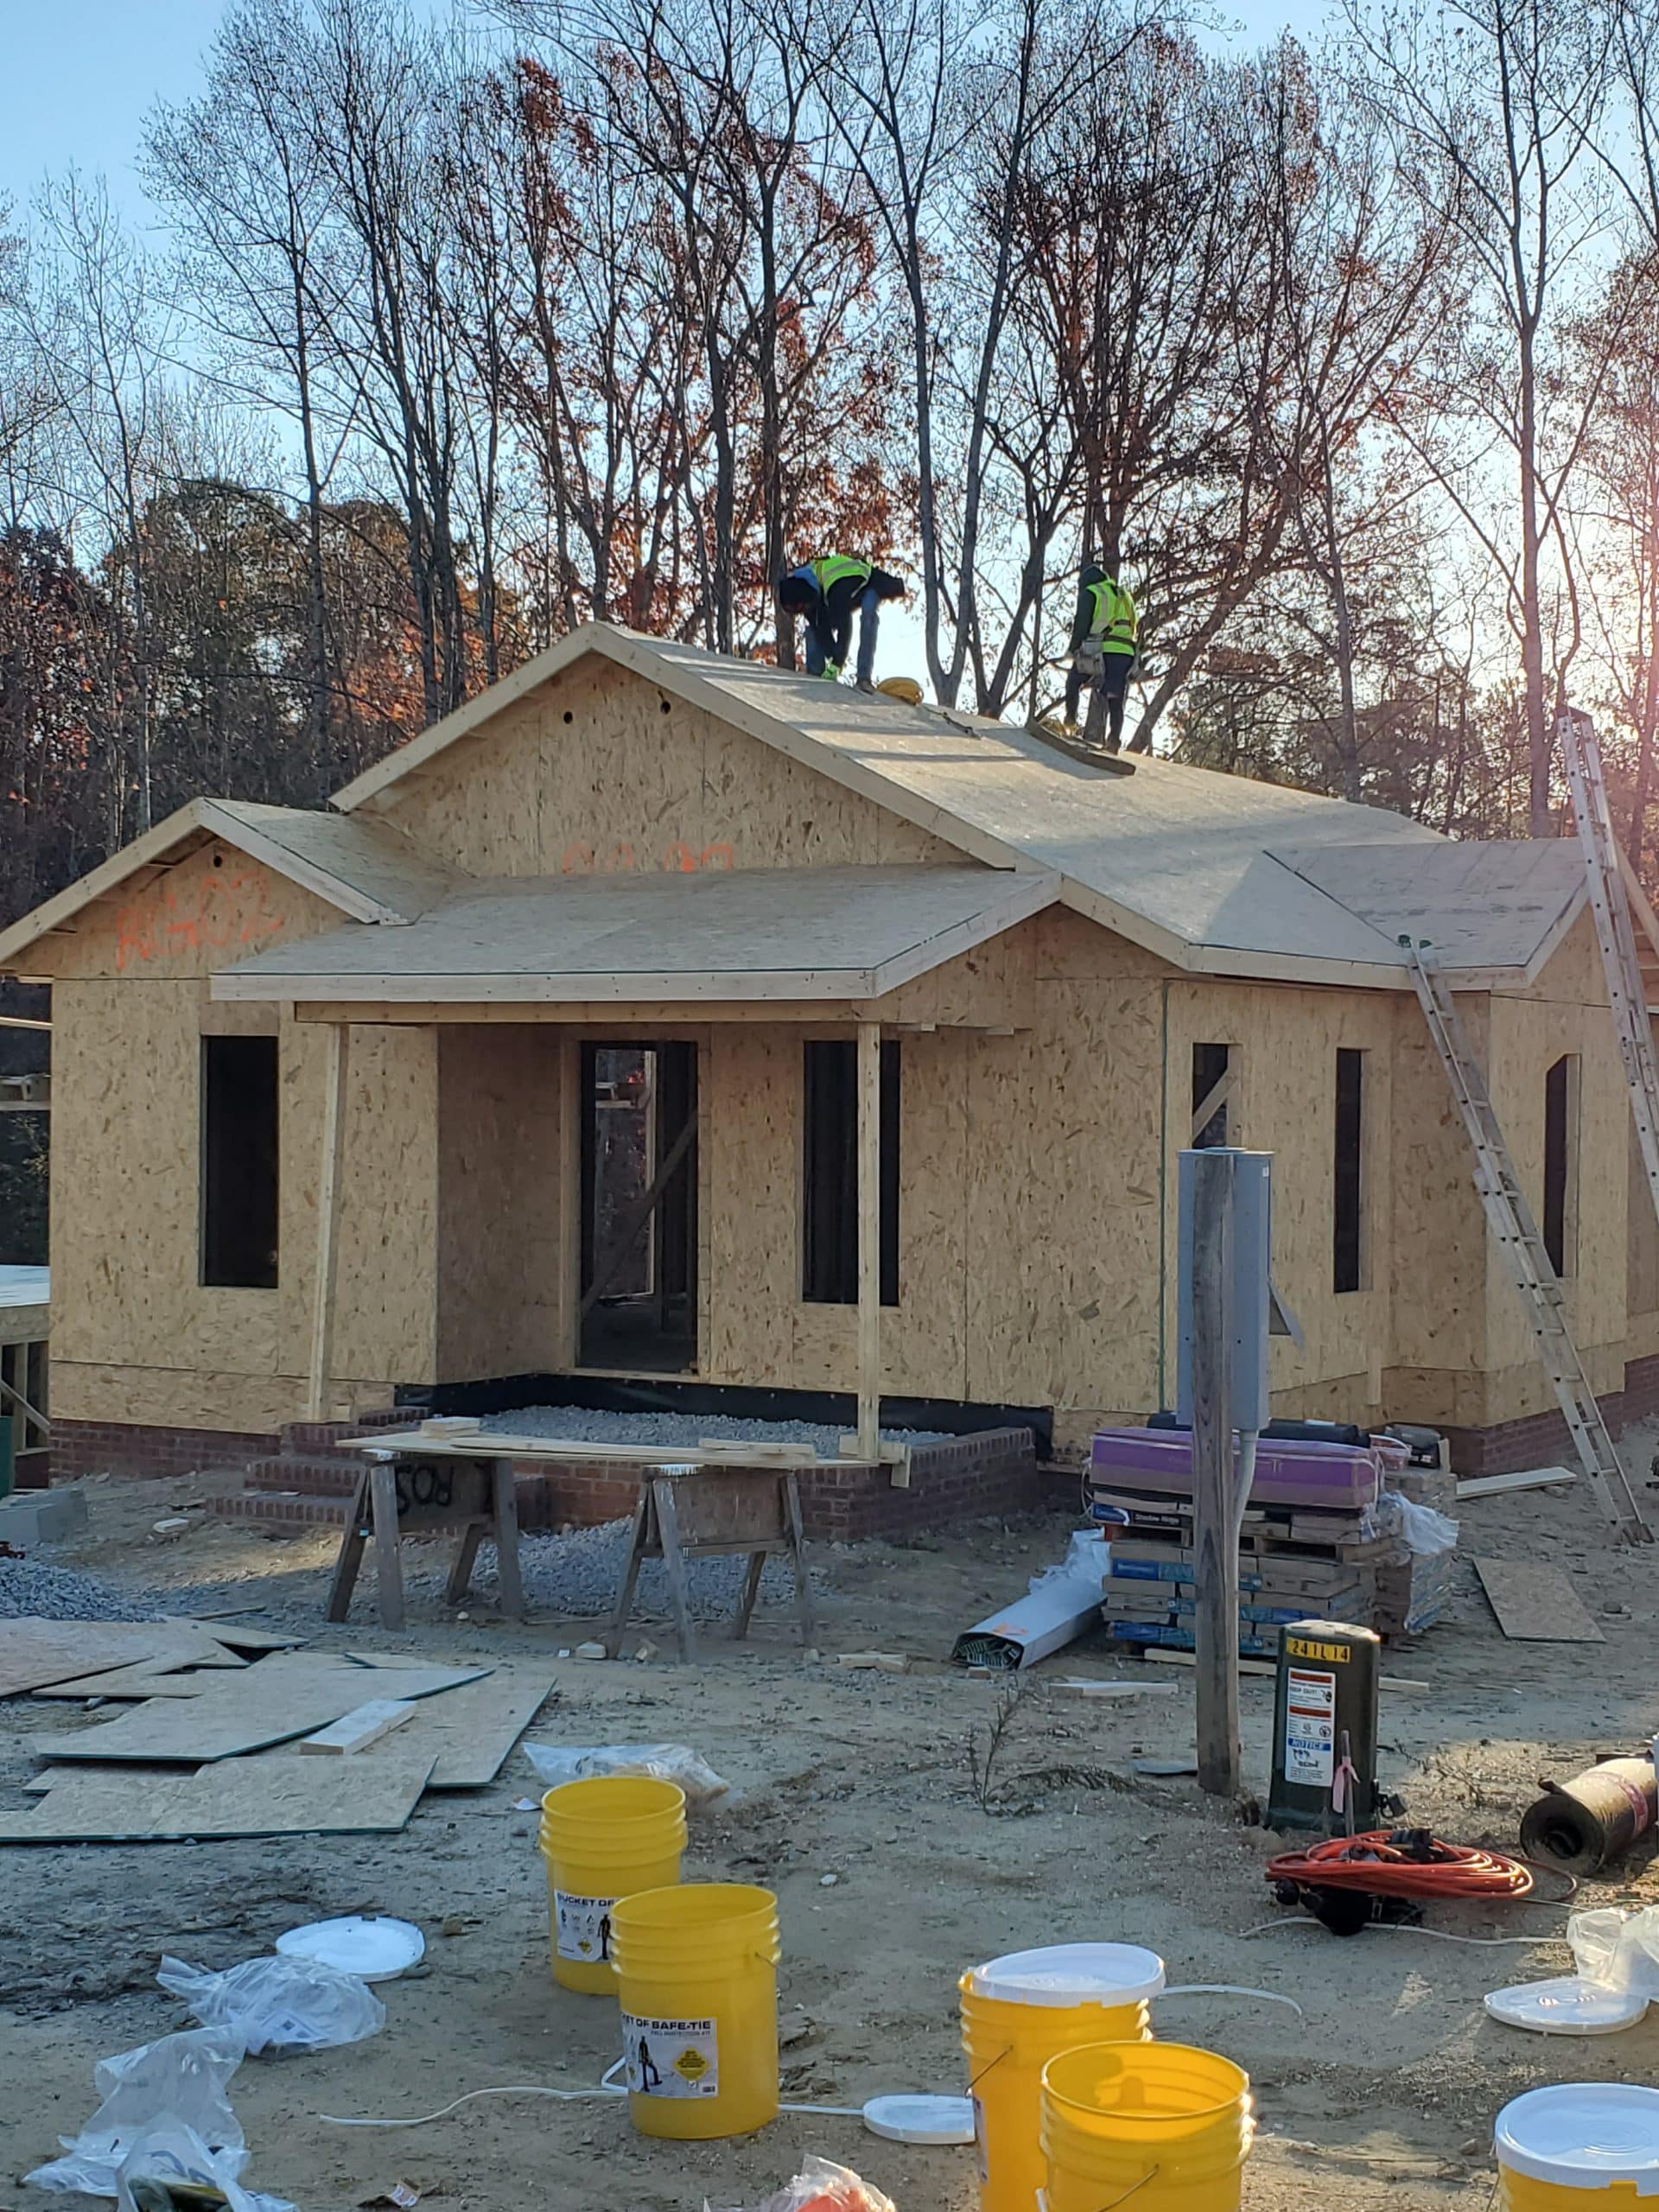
{"type": "Point", "coordinates": [1510, 1220]}
{"type": "Point", "coordinates": [1610, 904]}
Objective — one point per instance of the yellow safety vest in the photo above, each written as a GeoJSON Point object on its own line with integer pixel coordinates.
{"type": "Point", "coordinates": [1115, 623]}
{"type": "Point", "coordinates": [834, 566]}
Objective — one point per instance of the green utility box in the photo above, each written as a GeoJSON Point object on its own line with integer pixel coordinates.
{"type": "Point", "coordinates": [1324, 1728]}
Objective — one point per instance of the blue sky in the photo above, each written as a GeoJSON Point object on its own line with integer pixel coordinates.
{"type": "Point", "coordinates": [77, 76]}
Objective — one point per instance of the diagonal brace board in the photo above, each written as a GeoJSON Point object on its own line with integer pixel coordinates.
{"type": "Point", "coordinates": [1509, 1217]}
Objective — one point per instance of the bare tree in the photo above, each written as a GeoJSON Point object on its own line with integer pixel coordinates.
{"type": "Point", "coordinates": [1494, 106]}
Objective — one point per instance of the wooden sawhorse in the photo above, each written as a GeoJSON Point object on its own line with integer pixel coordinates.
{"type": "Point", "coordinates": [691, 1512]}
{"type": "Point", "coordinates": [430, 1495]}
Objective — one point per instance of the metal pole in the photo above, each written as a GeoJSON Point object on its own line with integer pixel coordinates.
{"type": "Point", "coordinates": [1215, 1505]}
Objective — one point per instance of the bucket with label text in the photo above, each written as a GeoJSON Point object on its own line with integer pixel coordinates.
{"type": "Point", "coordinates": [602, 1839]}
{"type": "Point", "coordinates": [697, 1981]}
{"type": "Point", "coordinates": [1017, 2013]}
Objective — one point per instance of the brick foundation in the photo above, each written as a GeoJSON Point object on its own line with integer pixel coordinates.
{"type": "Point", "coordinates": [119, 1447]}
{"type": "Point", "coordinates": [965, 1478]}
{"type": "Point", "coordinates": [1544, 1439]}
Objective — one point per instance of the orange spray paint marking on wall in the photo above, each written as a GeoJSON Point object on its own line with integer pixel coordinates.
{"type": "Point", "coordinates": [209, 921]}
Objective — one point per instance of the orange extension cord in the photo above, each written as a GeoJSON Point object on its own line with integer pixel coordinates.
{"type": "Point", "coordinates": [1380, 1866]}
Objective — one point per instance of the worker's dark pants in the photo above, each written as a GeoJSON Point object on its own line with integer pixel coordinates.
{"type": "Point", "coordinates": [1109, 696]}
{"type": "Point", "coordinates": [823, 648]}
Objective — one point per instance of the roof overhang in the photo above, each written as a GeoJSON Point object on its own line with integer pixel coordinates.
{"type": "Point", "coordinates": [796, 935]}
{"type": "Point", "coordinates": [365, 869]}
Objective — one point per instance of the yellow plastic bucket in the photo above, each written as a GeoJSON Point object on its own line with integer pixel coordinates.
{"type": "Point", "coordinates": [1020, 2012]}
{"type": "Point", "coordinates": [602, 1840]}
{"type": "Point", "coordinates": [1158, 2126]}
{"type": "Point", "coordinates": [697, 1980]}
{"type": "Point", "coordinates": [1588, 2146]}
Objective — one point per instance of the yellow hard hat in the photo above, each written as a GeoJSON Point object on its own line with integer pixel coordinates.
{"type": "Point", "coordinates": [902, 687]}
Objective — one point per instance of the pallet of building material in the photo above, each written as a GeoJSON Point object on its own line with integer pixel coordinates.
{"type": "Point", "coordinates": [1153, 1609]}
{"type": "Point", "coordinates": [1279, 1616]}
{"type": "Point", "coordinates": [1288, 1471]}
{"type": "Point", "coordinates": [1252, 1644]}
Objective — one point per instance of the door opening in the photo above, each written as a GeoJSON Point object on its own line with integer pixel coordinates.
{"type": "Point", "coordinates": [638, 1306]}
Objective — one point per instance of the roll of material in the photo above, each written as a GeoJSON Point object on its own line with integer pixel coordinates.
{"type": "Point", "coordinates": [1592, 1820]}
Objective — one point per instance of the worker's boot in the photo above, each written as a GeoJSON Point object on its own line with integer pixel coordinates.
{"type": "Point", "coordinates": [866, 683]}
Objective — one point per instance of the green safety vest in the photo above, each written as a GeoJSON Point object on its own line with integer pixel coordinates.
{"type": "Point", "coordinates": [834, 566]}
{"type": "Point", "coordinates": [1115, 623]}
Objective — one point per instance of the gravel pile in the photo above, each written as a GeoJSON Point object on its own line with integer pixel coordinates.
{"type": "Point", "coordinates": [586, 1425]}
{"type": "Point", "coordinates": [580, 1575]}
{"type": "Point", "coordinates": [27, 1586]}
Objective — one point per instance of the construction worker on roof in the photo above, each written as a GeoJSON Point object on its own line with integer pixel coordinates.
{"type": "Point", "coordinates": [828, 592]}
{"type": "Point", "coordinates": [1103, 641]}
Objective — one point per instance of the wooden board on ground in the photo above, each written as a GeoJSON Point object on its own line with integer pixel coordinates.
{"type": "Point", "coordinates": [35, 1652]}
{"type": "Point", "coordinates": [1535, 1604]}
{"type": "Point", "coordinates": [291, 1694]}
{"type": "Point", "coordinates": [470, 1731]}
{"type": "Point", "coordinates": [356, 1731]}
{"type": "Point", "coordinates": [165, 1677]}
{"type": "Point", "coordinates": [1523, 1478]}
{"type": "Point", "coordinates": [238, 1797]}
{"type": "Point", "coordinates": [234, 1636]}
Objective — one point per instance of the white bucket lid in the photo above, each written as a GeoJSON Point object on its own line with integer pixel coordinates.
{"type": "Point", "coordinates": [372, 1949]}
{"type": "Point", "coordinates": [921, 2118]}
{"type": "Point", "coordinates": [1575, 2006]}
{"type": "Point", "coordinates": [1584, 2135]}
{"type": "Point", "coordinates": [1071, 1973]}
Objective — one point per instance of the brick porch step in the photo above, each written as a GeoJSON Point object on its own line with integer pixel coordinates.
{"type": "Point", "coordinates": [316, 1439]}
{"type": "Point", "coordinates": [275, 1509]}
{"type": "Point", "coordinates": [314, 1476]}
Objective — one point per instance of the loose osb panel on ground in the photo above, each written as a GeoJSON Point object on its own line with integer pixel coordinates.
{"type": "Point", "coordinates": [293, 1693]}
{"type": "Point", "coordinates": [1535, 1604]}
{"type": "Point", "coordinates": [35, 1652]}
{"type": "Point", "coordinates": [237, 1797]}
{"type": "Point", "coordinates": [469, 1730]}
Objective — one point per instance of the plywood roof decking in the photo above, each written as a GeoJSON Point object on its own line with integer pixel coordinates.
{"type": "Point", "coordinates": [785, 933]}
{"type": "Point", "coordinates": [1186, 862]}
{"type": "Point", "coordinates": [1479, 905]}
{"type": "Point", "coordinates": [367, 869]}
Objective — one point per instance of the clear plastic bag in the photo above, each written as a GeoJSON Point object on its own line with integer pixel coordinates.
{"type": "Point", "coordinates": [169, 2167]}
{"type": "Point", "coordinates": [1424, 1532]}
{"type": "Point", "coordinates": [820, 2187]}
{"type": "Point", "coordinates": [557, 1763]}
{"type": "Point", "coordinates": [180, 2079]}
{"type": "Point", "coordinates": [1619, 1949]}
{"type": "Point", "coordinates": [278, 2003]}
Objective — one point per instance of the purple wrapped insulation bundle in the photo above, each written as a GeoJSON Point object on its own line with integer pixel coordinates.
{"type": "Point", "coordinates": [1290, 1471]}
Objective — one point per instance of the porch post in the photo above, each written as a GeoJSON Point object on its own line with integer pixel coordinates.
{"type": "Point", "coordinates": [333, 1135]}
{"type": "Point", "coordinates": [869, 1241]}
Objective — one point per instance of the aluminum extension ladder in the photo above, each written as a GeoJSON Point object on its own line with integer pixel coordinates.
{"type": "Point", "coordinates": [1610, 905]}
{"type": "Point", "coordinates": [1510, 1219]}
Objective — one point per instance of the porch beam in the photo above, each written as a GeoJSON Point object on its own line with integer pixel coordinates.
{"type": "Point", "coordinates": [323, 1298]}
{"type": "Point", "coordinates": [869, 1241]}
{"type": "Point", "coordinates": [681, 1018]}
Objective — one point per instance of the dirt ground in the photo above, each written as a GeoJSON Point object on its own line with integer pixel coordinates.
{"type": "Point", "coordinates": [854, 1799]}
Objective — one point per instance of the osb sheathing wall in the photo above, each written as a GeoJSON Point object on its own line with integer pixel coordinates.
{"type": "Point", "coordinates": [136, 1337]}
{"type": "Point", "coordinates": [502, 1198]}
{"type": "Point", "coordinates": [599, 772]}
{"type": "Point", "coordinates": [1565, 1011]}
